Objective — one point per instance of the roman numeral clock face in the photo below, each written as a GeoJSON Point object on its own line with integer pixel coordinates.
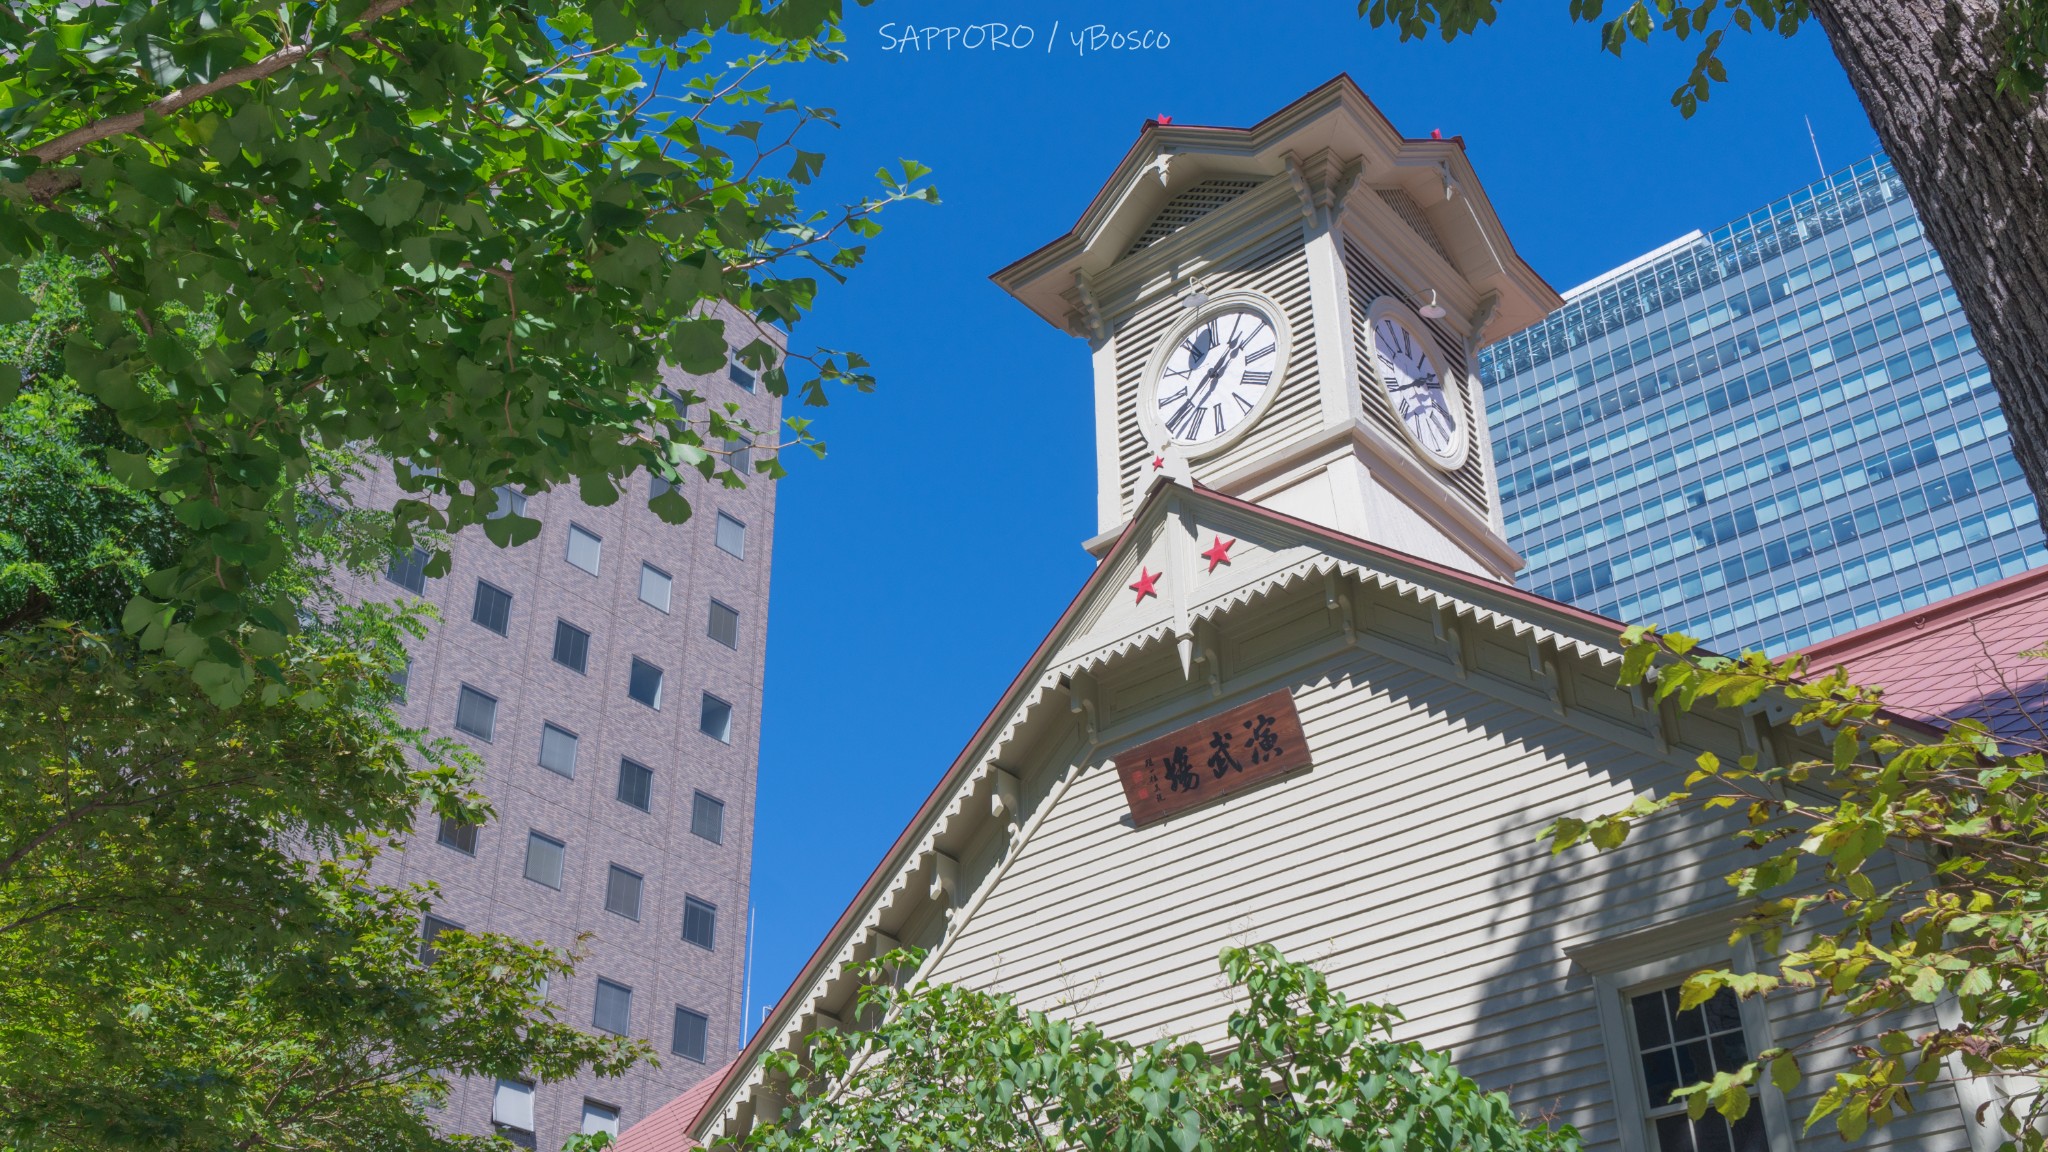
{"type": "Point", "coordinates": [1411, 379]}
{"type": "Point", "coordinates": [1216, 376]}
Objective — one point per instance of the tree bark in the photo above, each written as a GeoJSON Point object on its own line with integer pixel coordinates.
{"type": "Point", "coordinates": [1976, 165]}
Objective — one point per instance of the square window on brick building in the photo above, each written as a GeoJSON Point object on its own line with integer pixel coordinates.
{"type": "Point", "coordinates": [544, 859]}
{"type": "Point", "coordinates": [600, 1118]}
{"type": "Point", "coordinates": [572, 646]}
{"type": "Point", "coordinates": [654, 587]}
{"type": "Point", "coordinates": [430, 929]}
{"type": "Point", "coordinates": [511, 502]}
{"type": "Point", "coordinates": [614, 1012]}
{"type": "Point", "coordinates": [724, 625]}
{"type": "Point", "coordinates": [457, 835]}
{"type": "Point", "coordinates": [645, 683]}
{"type": "Point", "coordinates": [732, 535]}
{"type": "Point", "coordinates": [476, 713]}
{"type": "Point", "coordinates": [512, 1107]}
{"type": "Point", "coordinates": [558, 750]}
{"type": "Point", "coordinates": [409, 571]}
{"type": "Point", "coordinates": [740, 374]}
{"type": "Point", "coordinates": [636, 784]}
{"type": "Point", "coordinates": [707, 818]}
{"type": "Point", "coordinates": [622, 893]}
{"type": "Point", "coordinates": [715, 720]}
{"type": "Point", "coordinates": [493, 607]}
{"type": "Point", "coordinates": [692, 1036]}
{"type": "Point", "coordinates": [584, 548]}
{"type": "Point", "coordinates": [700, 922]}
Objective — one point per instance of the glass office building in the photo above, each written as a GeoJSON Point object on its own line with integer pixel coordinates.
{"type": "Point", "coordinates": [1765, 435]}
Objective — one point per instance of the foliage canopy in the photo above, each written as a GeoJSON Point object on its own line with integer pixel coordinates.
{"type": "Point", "coordinates": [1907, 867]}
{"type": "Point", "coordinates": [2023, 67]}
{"type": "Point", "coordinates": [458, 235]}
{"type": "Point", "coordinates": [1304, 1067]}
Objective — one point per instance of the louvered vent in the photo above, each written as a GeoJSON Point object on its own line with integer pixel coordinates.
{"type": "Point", "coordinates": [1189, 207]}
{"type": "Point", "coordinates": [1411, 212]}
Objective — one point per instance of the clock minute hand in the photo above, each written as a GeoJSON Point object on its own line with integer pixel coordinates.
{"type": "Point", "coordinates": [1198, 396]}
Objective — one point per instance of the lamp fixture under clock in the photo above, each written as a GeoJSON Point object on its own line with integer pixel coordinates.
{"type": "Point", "coordinates": [1432, 310]}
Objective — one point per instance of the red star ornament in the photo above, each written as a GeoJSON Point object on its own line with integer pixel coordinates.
{"type": "Point", "coordinates": [1219, 552]}
{"type": "Point", "coordinates": [1158, 462]}
{"type": "Point", "coordinates": [1144, 586]}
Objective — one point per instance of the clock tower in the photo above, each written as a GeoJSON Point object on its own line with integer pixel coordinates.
{"type": "Point", "coordinates": [1290, 314]}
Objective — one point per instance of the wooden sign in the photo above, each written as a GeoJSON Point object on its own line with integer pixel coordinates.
{"type": "Point", "coordinates": [1226, 753]}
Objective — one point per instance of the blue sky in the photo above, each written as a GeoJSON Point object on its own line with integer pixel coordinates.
{"type": "Point", "coordinates": [919, 564]}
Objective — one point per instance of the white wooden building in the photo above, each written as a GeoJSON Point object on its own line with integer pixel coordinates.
{"type": "Point", "coordinates": [1298, 516]}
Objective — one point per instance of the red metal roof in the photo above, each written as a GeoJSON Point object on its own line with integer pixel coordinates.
{"type": "Point", "coordinates": [1959, 657]}
{"type": "Point", "coordinates": [667, 1129]}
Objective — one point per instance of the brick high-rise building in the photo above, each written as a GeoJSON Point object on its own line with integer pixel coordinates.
{"type": "Point", "coordinates": [609, 674]}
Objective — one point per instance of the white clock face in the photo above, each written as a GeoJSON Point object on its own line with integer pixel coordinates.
{"type": "Point", "coordinates": [1214, 379]}
{"type": "Point", "coordinates": [1417, 389]}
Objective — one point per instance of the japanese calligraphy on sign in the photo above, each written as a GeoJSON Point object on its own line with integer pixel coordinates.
{"type": "Point", "coordinates": [1215, 757]}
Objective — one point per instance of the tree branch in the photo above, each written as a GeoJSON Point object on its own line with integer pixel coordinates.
{"type": "Point", "coordinates": [45, 184]}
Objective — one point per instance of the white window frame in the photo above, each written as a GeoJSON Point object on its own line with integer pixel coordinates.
{"type": "Point", "coordinates": [1644, 960]}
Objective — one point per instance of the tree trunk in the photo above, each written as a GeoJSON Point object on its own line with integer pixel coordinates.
{"type": "Point", "coordinates": [1976, 164]}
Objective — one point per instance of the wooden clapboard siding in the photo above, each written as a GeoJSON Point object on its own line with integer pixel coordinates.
{"type": "Point", "coordinates": [1405, 864]}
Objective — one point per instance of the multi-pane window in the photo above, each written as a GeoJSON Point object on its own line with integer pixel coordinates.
{"type": "Point", "coordinates": [636, 784]}
{"type": "Point", "coordinates": [740, 374]}
{"type": "Point", "coordinates": [544, 859]}
{"type": "Point", "coordinates": [732, 535]}
{"type": "Point", "coordinates": [707, 818]}
{"type": "Point", "coordinates": [600, 1118]}
{"type": "Point", "coordinates": [430, 928]}
{"type": "Point", "coordinates": [1677, 1048]}
{"type": "Point", "coordinates": [409, 571]}
{"type": "Point", "coordinates": [511, 502]}
{"type": "Point", "coordinates": [622, 893]}
{"type": "Point", "coordinates": [572, 646]}
{"type": "Point", "coordinates": [614, 1011]}
{"type": "Point", "coordinates": [402, 680]}
{"type": "Point", "coordinates": [493, 607]}
{"type": "Point", "coordinates": [458, 835]}
{"type": "Point", "coordinates": [715, 720]}
{"type": "Point", "coordinates": [512, 1107]}
{"type": "Point", "coordinates": [692, 1036]}
{"type": "Point", "coordinates": [558, 750]}
{"type": "Point", "coordinates": [724, 625]}
{"type": "Point", "coordinates": [700, 922]}
{"type": "Point", "coordinates": [654, 587]}
{"type": "Point", "coordinates": [645, 683]}
{"type": "Point", "coordinates": [584, 548]}
{"type": "Point", "coordinates": [476, 713]}
{"type": "Point", "coordinates": [739, 454]}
